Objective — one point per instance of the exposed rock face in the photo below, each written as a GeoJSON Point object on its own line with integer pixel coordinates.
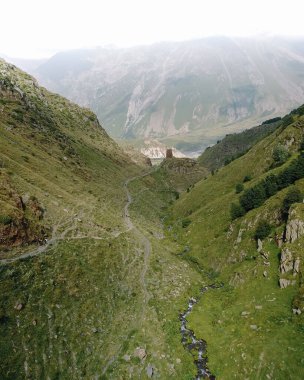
{"type": "Point", "coordinates": [294, 230]}
{"type": "Point", "coordinates": [296, 266]}
{"type": "Point", "coordinates": [20, 221]}
{"type": "Point", "coordinates": [286, 263]}
{"type": "Point", "coordinates": [284, 283]}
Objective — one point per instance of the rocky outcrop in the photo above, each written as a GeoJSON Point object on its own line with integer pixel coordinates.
{"type": "Point", "coordinates": [286, 263]}
{"type": "Point", "coordinates": [294, 230]}
{"type": "Point", "coordinates": [291, 255]}
{"type": "Point", "coordinates": [20, 219]}
{"type": "Point", "coordinates": [284, 283]}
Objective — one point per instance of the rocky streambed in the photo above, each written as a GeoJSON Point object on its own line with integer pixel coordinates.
{"type": "Point", "coordinates": [197, 347]}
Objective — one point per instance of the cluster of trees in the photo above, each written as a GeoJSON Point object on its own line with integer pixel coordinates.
{"type": "Point", "coordinates": [255, 196]}
{"type": "Point", "coordinates": [270, 121]}
{"type": "Point", "coordinates": [280, 155]}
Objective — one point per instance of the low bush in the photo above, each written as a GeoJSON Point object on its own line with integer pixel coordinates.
{"type": "Point", "coordinates": [263, 230]}
{"type": "Point", "coordinates": [5, 219]}
{"type": "Point", "coordinates": [186, 222]}
{"type": "Point", "coordinates": [293, 196]}
{"type": "Point", "coordinates": [236, 211]}
{"type": "Point", "coordinates": [239, 188]}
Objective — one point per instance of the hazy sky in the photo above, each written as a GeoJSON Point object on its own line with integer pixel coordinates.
{"type": "Point", "coordinates": [38, 28]}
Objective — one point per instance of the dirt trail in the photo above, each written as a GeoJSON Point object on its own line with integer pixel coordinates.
{"type": "Point", "coordinates": [144, 241]}
{"type": "Point", "coordinates": [66, 226]}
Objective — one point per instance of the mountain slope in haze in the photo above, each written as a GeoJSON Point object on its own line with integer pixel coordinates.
{"type": "Point", "coordinates": [193, 91]}
{"type": "Point", "coordinates": [253, 323]}
{"type": "Point", "coordinates": [234, 145]}
{"type": "Point", "coordinates": [89, 289]}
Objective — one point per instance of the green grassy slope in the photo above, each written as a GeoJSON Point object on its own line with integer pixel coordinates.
{"type": "Point", "coordinates": [248, 324]}
{"type": "Point", "coordinates": [78, 304]}
{"type": "Point", "coordinates": [234, 145]}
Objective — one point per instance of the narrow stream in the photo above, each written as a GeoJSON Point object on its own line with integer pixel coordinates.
{"type": "Point", "coordinates": [197, 347]}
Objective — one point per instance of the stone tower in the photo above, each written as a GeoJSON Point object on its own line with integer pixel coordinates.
{"type": "Point", "coordinates": [169, 153]}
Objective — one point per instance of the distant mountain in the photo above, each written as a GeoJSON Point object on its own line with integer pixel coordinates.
{"type": "Point", "coordinates": [192, 92]}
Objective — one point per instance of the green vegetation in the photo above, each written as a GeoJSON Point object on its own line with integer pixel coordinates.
{"type": "Point", "coordinates": [280, 155]}
{"type": "Point", "coordinates": [117, 249]}
{"type": "Point", "coordinates": [249, 325]}
{"type": "Point", "coordinates": [239, 188]}
{"type": "Point", "coordinates": [235, 145]}
{"type": "Point", "coordinates": [263, 230]}
{"type": "Point", "coordinates": [292, 196]}
{"type": "Point", "coordinates": [186, 222]}
{"type": "Point", "coordinates": [236, 211]}
{"type": "Point", "coordinates": [5, 219]}
{"type": "Point", "coordinates": [69, 259]}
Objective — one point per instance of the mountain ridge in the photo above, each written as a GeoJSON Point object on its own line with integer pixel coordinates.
{"type": "Point", "coordinates": [193, 89]}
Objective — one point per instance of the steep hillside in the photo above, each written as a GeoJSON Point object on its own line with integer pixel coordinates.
{"type": "Point", "coordinates": [200, 89]}
{"type": "Point", "coordinates": [253, 320]}
{"type": "Point", "coordinates": [88, 287]}
{"type": "Point", "coordinates": [234, 145]}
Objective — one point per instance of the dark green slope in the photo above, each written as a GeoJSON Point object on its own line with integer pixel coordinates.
{"type": "Point", "coordinates": [235, 145]}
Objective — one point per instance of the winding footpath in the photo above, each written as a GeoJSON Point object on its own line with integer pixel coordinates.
{"type": "Point", "coordinates": [197, 347]}
{"type": "Point", "coordinates": [144, 241]}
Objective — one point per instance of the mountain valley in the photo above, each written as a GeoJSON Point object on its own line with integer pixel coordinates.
{"type": "Point", "coordinates": [184, 94]}
{"type": "Point", "coordinates": [111, 268]}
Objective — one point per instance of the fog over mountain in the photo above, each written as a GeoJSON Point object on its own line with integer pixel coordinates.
{"type": "Point", "coordinates": [197, 90]}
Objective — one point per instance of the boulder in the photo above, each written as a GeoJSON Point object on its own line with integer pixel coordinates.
{"type": "Point", "coordinates": [245, 313]}
{"type": "Point", "coordinates": [296, 266]}
{"type": "Point", "coordinates": [19, 306]}
{"type": "Point", "coordinates": [260, 245]}
{"type": "Point", "coordinates": [140, 353]}
{"type": "Point", "coordinates": [150, 370]}
{"type": "Point", "coordinates": [284, 283]}
{"type": "Point", "coordinates": [296, 311]}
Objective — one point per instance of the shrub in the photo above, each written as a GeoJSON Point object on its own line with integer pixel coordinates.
{"type": "Point", "coordinates": [236, 211]}
{"type": "Point", "coordinates": [280, 155]}
{"type": "Point", "coordinates": [263, 230]}
{"type": "Point", "coordinates": [5, 219]}
{"type": "Point", "coordinates": [293, 196]}
{"type": "Point", "coordinates": [256, 195]}
{"type": "Point", "coordinates": [288, 119]}
{"type": "Point", "coordinates": [247, 178]}
{"type": "Point", "coordinates": [253, 197]}
{"type": "Point", "coordinates": [186, 222]}
{"type": "Point", "coordinates": [302, 145]}
{"type": "Point", "coordinates": [176, 194]}
{"type": "Point", "coordinates": [239, 188]}
{"type": "Point", "coordinates": [270, 121]}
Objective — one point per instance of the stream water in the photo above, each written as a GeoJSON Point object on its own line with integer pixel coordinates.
{"type": "Point", "coordinates": [197, 347]}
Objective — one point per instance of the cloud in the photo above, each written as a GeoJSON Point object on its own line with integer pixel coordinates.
{"type": "Point", "coordinates": [36, 28]}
